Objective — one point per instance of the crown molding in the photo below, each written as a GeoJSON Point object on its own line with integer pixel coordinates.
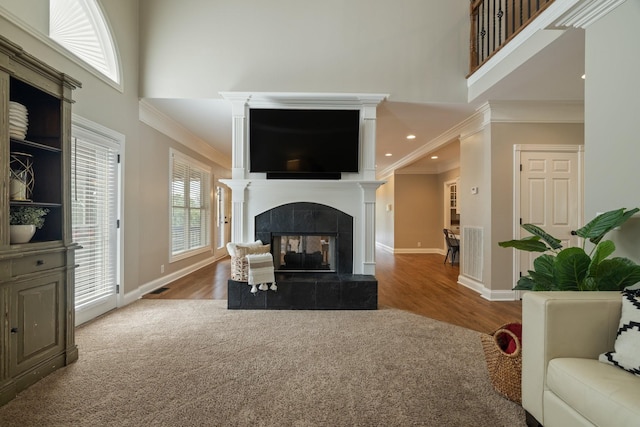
{"type": "Point", "coordinates": [535, 111]}
{"type": "Point", "coordinates": [169, 127]}
{"type": "Point", "coordinates": [493, 112]}
{"type": "Point", "coordinates": [585, 13]}
{"type": "Point", "coordinates": [444, 138]}
{"type": "Point", "coordinates": [305, 99]}
{"type": "Point", "coordinates": [446, 167]}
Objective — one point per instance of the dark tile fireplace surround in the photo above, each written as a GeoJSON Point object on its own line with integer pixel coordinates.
{"type": "Point", "coordinates": [338, 290]}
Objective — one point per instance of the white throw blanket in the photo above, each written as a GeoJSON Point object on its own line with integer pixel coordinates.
{"type": "Point", "coordinates": [261, 272]}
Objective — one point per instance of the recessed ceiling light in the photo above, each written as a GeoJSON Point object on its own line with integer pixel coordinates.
{"type": "Point", "coordinates": [584, 76]}
{"type": "Point", "coordinates": [434, 157]}
{"type": "Point", "coordinates": [388, 155]}
{"type": "Point", "coordinates": [411, 136]}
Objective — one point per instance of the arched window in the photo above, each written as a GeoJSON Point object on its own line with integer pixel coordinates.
{"type": "Point", "coordinates": [80, 27]}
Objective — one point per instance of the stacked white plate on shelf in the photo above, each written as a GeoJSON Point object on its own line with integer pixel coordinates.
{"type": "Point", "coordinates": [18, 120]}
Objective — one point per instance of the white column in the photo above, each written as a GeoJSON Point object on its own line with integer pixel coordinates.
{"type": "Point", "coordinates": [239, 164]}
{"type": "Point", "coordinates": [238, 209]}
{"type": "Point", "coordinates": [239, 107]}
{"type": "Point", "coordinates": [368, 156]}
{"type": "Point", "coordinates": [368, 225]}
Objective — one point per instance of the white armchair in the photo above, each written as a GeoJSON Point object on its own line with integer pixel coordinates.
{"type": "Point", "coordinates": [563, 383]}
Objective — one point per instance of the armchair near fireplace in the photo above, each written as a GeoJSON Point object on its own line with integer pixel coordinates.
{"type": "Point", "coordinates": [239, 262]}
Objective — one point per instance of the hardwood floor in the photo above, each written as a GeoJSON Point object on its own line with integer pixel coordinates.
{"type": "Point", "coordinates": [419, 283]}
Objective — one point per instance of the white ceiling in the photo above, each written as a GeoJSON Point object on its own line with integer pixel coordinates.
{"type": "Point", "coordinates": [552, 74]}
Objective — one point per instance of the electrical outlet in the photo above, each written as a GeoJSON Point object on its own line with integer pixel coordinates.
{"type": "Point", "coordinates": [162, 269]}
{"type": "Point", "coordinates": [419, 244]}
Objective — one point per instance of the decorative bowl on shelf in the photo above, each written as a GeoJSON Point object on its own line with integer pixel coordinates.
{"type": "Point", "coordinates": [23, 222]}
{"type": "Point", "coordinates": [21, 233]}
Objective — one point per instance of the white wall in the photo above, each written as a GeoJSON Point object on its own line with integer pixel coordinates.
{"type": "Point", "coordinates": [612, 115]}
{"type": "Point", "coordinates": [35, 12]}
{"type": "Point", "coordinates": [362, 46]}
{"type": "Point", "coordinates": [475, 210]}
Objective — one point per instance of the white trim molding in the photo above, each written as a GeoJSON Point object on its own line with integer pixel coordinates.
{"type": "Point", "coordinates": [585, 13]}
{"type": "Point", "coordinates": [486, 293]}
{"type": "Point", "coordinates": [534, 111]}
{"type": "Point", "coordinates": [174, 130]}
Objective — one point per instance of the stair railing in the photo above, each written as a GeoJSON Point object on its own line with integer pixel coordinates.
{"type": "Point", "coordinates": [495, 22]}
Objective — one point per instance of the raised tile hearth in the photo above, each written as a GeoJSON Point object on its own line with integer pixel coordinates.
{"type": "Point", "coordinates": [309, 291]}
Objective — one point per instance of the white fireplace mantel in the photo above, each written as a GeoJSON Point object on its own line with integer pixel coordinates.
{"type": "Point", "coordinates": [354, 194]}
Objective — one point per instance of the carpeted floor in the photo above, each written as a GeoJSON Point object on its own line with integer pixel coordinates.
{"type": "Point", "coordinates": [195, 363]}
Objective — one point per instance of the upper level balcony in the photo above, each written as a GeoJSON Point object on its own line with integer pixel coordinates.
{"type": "Point", "coordinates": [530, 49]}
{"type": "Point", "coordinates": [496, 22]}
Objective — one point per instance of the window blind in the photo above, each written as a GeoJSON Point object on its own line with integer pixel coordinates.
{"type": "Point", "coordinates": [94, 216]}
{"type": "Point", "coordinates": [190, 210]}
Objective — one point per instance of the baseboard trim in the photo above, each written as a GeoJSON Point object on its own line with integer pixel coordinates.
{"type": "Point", "coordinates": [486, 293]}
{"type": "Point", "coordinates": [384, 247]}
{"type": "Point", "coordinates": [144, 289]}
{"type": "Point", "coordinates": [419, 251]}
{"type": "Point", "coordinates": [391, 250]}
{"type": "Point", "coordinates": [470, 283]}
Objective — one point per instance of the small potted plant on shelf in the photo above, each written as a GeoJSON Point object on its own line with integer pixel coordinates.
{"type": "Point", "coordinates": [23, 221]}
{"type": "Point", "coordinates": [573, 269]}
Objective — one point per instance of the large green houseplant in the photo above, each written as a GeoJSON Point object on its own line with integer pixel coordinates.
{"type": "Point", "coordinates": [573, 269]}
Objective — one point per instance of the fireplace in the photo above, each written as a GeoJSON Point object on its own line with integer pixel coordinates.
{"type": "Point", "coordinates": [302, 252]}
{"type": "Point", "coordinates": [308, 237]}
{"type": "Point", "coordinates": [312, 246]}
{"type": "Point", "coordinates": [339, 211]}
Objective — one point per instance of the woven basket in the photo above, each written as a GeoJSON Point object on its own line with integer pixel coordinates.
{"type": "Point", "coordinates": [505, 370]}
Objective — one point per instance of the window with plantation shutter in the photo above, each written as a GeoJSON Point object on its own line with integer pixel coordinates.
{"type": "Point", "coordinates": [80, 26]}
{"type": "Point", "coordinates": [190, 210]}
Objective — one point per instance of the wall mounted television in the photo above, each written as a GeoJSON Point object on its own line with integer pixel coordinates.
{"type": "Point", "coordinates": [304, 143]}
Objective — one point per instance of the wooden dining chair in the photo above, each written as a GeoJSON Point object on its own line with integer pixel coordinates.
{"type": "Point", "coordinates": [453, 245]}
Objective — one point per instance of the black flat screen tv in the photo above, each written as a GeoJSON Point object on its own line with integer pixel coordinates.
{"type": "Point", "coordinates": [302, 143]}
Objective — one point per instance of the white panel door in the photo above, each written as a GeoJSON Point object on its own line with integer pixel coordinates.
{"type": "Point", "coordinates": [550, 196]}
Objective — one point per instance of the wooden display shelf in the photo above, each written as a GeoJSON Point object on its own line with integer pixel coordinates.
{"type": "Point", "coordinates": [37, 145]}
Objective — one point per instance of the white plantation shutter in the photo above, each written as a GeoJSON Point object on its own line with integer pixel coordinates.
{"type": "Point", "coordinates": [80, 27]}
{"type": "Point", "coordinates": [190, 211]}
{"type": "Point", "coordinates": [94, 216]}
{"type": "Point", "coordinates": [179, 223]}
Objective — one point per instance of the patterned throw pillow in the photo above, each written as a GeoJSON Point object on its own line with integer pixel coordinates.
{"type": "Point", "coordinates": [626, 354]}
{"type": "Point", "coordinates": [242, 249]}
{"type": "Point", "coordinates": [249, 249]}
